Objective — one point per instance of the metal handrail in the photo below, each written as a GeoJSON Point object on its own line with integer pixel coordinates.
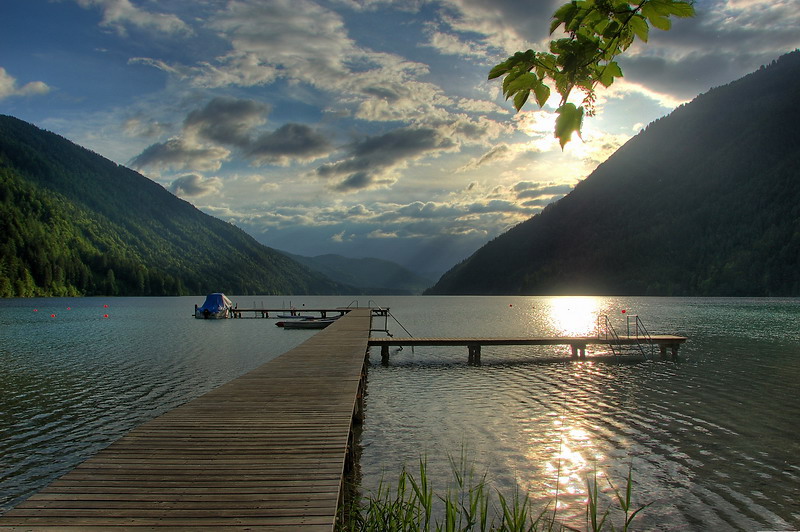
{"type": "Point", "coordinates": [640, 332]}
{"type": "Point", "coordinates": [608, 328]}
{"type": "Point", "coordinates": [646, 334]}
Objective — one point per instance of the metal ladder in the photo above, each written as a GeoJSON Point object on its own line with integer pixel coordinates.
{"type": "Point", "coordinates": [644, 342]}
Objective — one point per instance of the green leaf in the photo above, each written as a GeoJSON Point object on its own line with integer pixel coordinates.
{"type": "Point", "coordinates": [523, 82]}
{"type": "Point", "coordinates": [564, 15]}
{"type": "Point", "coordinates": [542, 93]}
{"type": "Point", "coordinates": [655, 6]}
{"type": "Point", "coordinates": [609, 72]}
{"type": "Point", "coordinates": [509, 79]}
{"type": "Point", "coordinates": [658, 15]}
{"type": "Point", "coordinates": [570, 119]}
{"type": "Point", "coordinates": [682, 9]}
{"type": "Point", "coordinates": [498, 70]}
{"type": "Point", "coordinates": [521, 98]}
{"type": "Point", "coordinates": [639, 26]}
{"type": "Point", "coordinates": [661, 22]}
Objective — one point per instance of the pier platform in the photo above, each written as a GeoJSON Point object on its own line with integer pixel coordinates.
{"type": "Point", "coordinates": [577, 344]}
{"type": "Point", "coordinates": [265, 451]}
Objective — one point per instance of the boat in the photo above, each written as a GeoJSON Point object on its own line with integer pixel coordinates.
{"type": "Point", "coordinates": [313, 323]}
{"type": "Point", "coordinates": [216, 306]}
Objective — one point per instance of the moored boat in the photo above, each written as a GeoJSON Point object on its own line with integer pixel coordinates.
{"type": "Point", "coordinates": [314, 323]}
{"type": "Point", "coordinates": [216, 306]}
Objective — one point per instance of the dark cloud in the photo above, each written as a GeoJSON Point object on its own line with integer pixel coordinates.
{"type": "Point", "coordinates": [355, 181]}
{"type": "Point", "coordinates": [494, 206]}
{"type": "Point", "coordinates": [178, 154]}
{"type": "Point", "coordinates": [527, 189]}
{"type": "Point", "coordinates": [540, 202]}
{"type": "Point", "coordinates": [722, 43]}
{"type": "Point", "coordinates": [193, 185]}
{"type": "Point", "coordinates": [227, 121]}
{"type": "Point", "coordinates": [290, 141]}
{"type": "Point", "coordinates": [232, 122]}
{"type": "Point", "coordinates": [429, 210]}
{"type": "Point", "coordinates": [500, 152]}
{"type": "Point", "coordinates": [369, 160]}
{"type": "Point", "coordinates": [387, 93]}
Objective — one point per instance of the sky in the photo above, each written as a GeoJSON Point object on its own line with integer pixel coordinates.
{"type": "Point", "coordinates": [365, 128]}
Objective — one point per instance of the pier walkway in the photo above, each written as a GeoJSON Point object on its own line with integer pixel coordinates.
{"type": "Point", "coordinates": [266, 451]}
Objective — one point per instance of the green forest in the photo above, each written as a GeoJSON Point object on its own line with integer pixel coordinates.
{"type": "Point", "coordinates": [704, 202]}
{"type": "Point", "coordinates": [73, 223]}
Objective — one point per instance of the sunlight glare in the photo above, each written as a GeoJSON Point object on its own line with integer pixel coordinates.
{"type": "Point", "coordinates": [574, 316]}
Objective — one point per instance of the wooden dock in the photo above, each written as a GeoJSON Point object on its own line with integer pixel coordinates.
{"type": "Point", "coordinates": [288, 312]}
{"type": "Point", "coordinates": [577, 344]}
{"type": "Point", "coordinates": [265, 451]}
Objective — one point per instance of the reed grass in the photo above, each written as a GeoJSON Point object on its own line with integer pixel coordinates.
{"type": "Point", "coordinates": [467, 505]}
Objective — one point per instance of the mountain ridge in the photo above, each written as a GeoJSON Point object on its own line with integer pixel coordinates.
{"type": "Point", "coordinates": [75, 223]}
{"type": "Point", "coordinates": [703, 201]}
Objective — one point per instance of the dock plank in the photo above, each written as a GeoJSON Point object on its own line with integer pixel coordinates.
{"type": "Point", "coordinates": [266, 451]}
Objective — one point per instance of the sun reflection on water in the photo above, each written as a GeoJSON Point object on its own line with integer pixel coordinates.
{"type": "Point", "coordinates": [568, 459]}
{"type": "Point", "coordinates": [574, 316]}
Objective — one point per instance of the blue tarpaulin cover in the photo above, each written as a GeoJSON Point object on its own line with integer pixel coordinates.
{"type": "Point", "coordinates": [215, 303]}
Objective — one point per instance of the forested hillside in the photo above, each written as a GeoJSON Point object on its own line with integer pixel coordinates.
{"type": "Point", "coordinates": [705, 201]}
{"type": "Point", "coordinates": [74, 223]}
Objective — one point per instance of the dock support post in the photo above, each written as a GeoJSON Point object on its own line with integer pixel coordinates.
{"type": "Point", "coordinates": [358, 412]}
{"type": "Point", "coordinates": [474, 356]}
{"type": "Point", "coordinates": [578, 350]}
{"type": "Point", "coordinates": [673, 351]}
{"type": "Point", "coordinates": [384, 354]}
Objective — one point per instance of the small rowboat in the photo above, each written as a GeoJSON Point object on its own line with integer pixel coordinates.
{"type": "Point", "coordinates": [313, 323]}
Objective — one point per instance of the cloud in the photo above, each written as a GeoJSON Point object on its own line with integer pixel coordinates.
{"type": "Point", "coordinates": [529, 189]}
{"type": "Point", "coordinates": [178, 154]}
{"type": "Point", "coordinates": [233, 123]}
{"type": "Point", "coordinates": [227, 121]}
{"type": "Point", "coordinates": [9, 87]}
{"type": "Point", "coordinates": [449, 44]}
{"type": "Point", "coordinates": [306, 41]}
{"type": "Point", "coordinates": [138, 127]}
{"type": "Point", "coordinates": [121, 14]}
{"type": "Point", "coordinates": [370, 162]}
{"type": "Point", "coordinates": [501, 152]}
{"type": "Point", "coordinates": [505, 25]}
{"type": "Point", "coordinates": [290, 142]}
{"type": "Point", "coordinates": [193, 185]}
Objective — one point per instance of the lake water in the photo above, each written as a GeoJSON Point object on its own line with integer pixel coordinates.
{"type": "Point", "coordinates": [713, 440]}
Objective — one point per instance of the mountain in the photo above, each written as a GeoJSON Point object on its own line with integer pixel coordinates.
{"type": "Point", "coordinates": [704, 202]}
{"type": "Point", "coordinates": [369, 275]}
{"type": "Point", "coordinates": [74, 223]}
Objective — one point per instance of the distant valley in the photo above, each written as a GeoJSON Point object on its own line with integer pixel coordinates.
{"type": "Point", "coordinates": [369, 275]}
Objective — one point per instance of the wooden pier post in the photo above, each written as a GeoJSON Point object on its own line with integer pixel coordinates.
{"type": "Point", "coordinates": [673, 351]}
{"type": "Point", "coordinates": [578, 350]}
{"type": "Point", "coordinates": [474, 356]}
{"type": "Point", "coordinates": [384, 354]}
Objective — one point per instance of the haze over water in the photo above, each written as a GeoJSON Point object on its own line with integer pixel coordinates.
{"type": "Point", "coordinates": [712, 439]}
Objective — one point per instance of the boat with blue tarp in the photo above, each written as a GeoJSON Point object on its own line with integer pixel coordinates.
{"type": "Point", "coordinates": [216, 306]}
